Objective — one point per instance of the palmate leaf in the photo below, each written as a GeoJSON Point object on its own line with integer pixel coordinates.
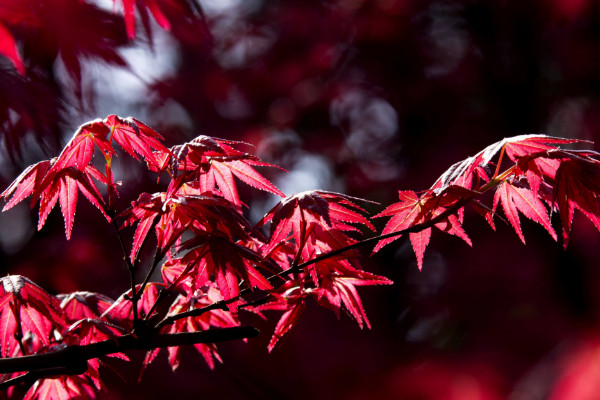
{"type": "Point", "coordinates": [412, 210]}
{"type": "Point", "coordinates": [212, 319]}
{"type": "Point", "coordinates": [518, 199]}
{"type": "Point", "coordinates": [64, 186]}
{"type": "Point", "coordinates": [121, 311]}
{"type": "Point", "coordinates": [136, 138]}
{"type": "Point", "coordinates": [62, 388]}
{"type": "Point", "coordinates": [536, 161]}
{"type": "Point", "coordinates": [468, 171]}
{"type": "Point", "coordinates": [213, 163]}
{"type": "Point", "coordinates": [215, 258]}
{"type": "Point", "coordinates": [61, 178]}
{"type": "Point", "coordinates": [26, 308]}
{"type": "Point", "coordinates": [173, 213]}
{"type": "Point", "coordinates": [577, 187]}
{"type": "Point", "coordinates": [337, 290]}
{"type": "Point", "coordinates": [80, 149]}
{"type": "Point", "coordinates": [83, 305]}
{"type": "Point", "coordinates": [28, 182]}
{"type": "Point", "coordinates": [295, 215]}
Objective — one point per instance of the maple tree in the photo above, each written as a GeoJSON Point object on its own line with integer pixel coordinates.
{"type": "Point", "coordinates": [216, 264]}
{"type": "Point", "coordinates": [199, 271]}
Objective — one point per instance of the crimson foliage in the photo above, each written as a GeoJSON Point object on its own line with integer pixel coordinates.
{"type": "Point", "coordinates": [215, 263]}
{"type": "Point", "coordinates": [296, 65]}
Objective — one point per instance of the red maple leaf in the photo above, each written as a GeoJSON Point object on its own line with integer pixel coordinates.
{"type": "Point", "coordinates": [215, 257]}
{"type": "Point", "coordinates": [577, 187]}
{"type": "Point", "coordinates": [136, 138]}
{"type": "Point", "coordinates": [535, 156]}
{"type": "Point", "coordinates": [63, 186]}
{"type": "Point", "coordinates": [337, 290]}
{"type": "Point", "coordinates": [82, 305]}
{"type": "Point", "coordinates": [26, 308]}
{"type": "Point", "coordinates": [28, 182]}
{"type": "Point", "coordinates": [412, 210]}
{"type": "Point", "coordinates": [300, 215]}
{"type": "Point", "coordinates": [60, 179]}
{"type": "Point", "coordinates": [121, 311]}
{"type": "Point", "coordinates": [519, 199]}
{"type": "Point", "coordinates": [213, 163]}
{"type": "Point", "coordinates": [80, 149]}
{"type": "Point", "coordinates": [61, 388]}
{"type": "Point", "coordinates": [465, 172]}
{"type": "Point", "coordinates": [212, 319]}
{"type": "Point", "coordinates": [290, 298]}
{"type": "Point", "coordinates": [179, 211]}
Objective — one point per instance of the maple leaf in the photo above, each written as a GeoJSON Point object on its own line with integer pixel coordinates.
{"type": "Point", "coordinates": [25, 307]}
{"type": "Point", "coordinates": [211, 319]}
{"type": "Point", "coordinates": [412, 210]}
{"type": "Point", "coordinates": [136, 138]}
{"type": "Point", "coordinates": [62, 178]}
{"type": "Point", "coordinates": [336, 290]}
{"type": "Point", "coordinates": [518, 199]}
{"type": "Point", "coordinates": [464, 172]}
{"type": "Point", "coordinates": [290, 298]}
{"type": "Point", "coordinates": [61, 388]}
{"type": "Point", "coordinates": [216, 257]}
{"type": "Point", "coordinates": [577, 187]}
{"type": "Point", "coordinates": [83, 305]}
{"type": "Point", "coordinates": [63, 186]}
{"type": "Point", "coordinates": [121, 311]}
{"type": "Point", "coordinates": [28, 182]}
{"type": "Point", "coordinates": [179, 211]}
{"type": "Point", "coordinates": [213, 163]}
{"type": "Point", "coordinates": [79, 150]}
{"type": "Point", "coordinates": [535, 156]}
{"type": "Point", "coordinates": [299, 214]}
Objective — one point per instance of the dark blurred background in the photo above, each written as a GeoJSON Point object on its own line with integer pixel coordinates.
{"type": "Point", "coordinates": [356, 96]}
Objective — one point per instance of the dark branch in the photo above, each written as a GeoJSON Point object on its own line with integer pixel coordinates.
{"type": "Point", "coordinates": [78, 355]}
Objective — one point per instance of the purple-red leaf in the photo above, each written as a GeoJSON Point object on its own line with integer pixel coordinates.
{"type": "Point", "coordinates": [577, 187]}
{"type": "Point", "coordinates": [514, 200]}
{"type": "Point", "coordinates": [26, 308]}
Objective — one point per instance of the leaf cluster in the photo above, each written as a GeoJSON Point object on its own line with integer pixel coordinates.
{"type": "Point", "coordinates": [214, 263]}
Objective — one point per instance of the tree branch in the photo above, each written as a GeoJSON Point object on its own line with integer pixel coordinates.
{"type": "Point", "coordinates": [78, 355]}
